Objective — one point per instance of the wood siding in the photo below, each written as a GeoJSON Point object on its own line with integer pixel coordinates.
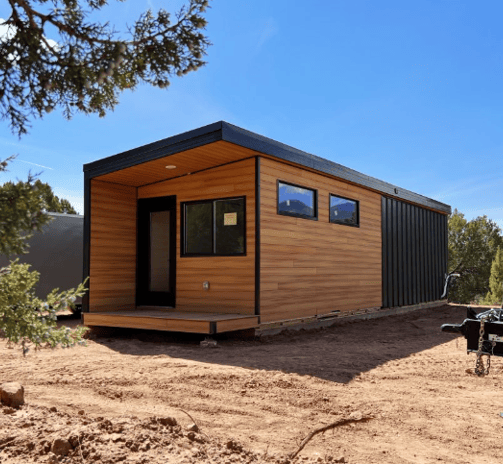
{"type": "Point", "coordinates": [231, 278]}
{"type": "Point", "coordinates": [314, 267]}
{"type": "Point", "coordinates": [112, 247]}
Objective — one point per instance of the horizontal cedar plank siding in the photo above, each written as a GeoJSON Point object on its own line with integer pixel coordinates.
{"type": "Point", "coordinates": [112, 247]}
{"type": "Point", "coordinates": [314, 267]}
{"type": "Point", "coordinates": [231, 278]}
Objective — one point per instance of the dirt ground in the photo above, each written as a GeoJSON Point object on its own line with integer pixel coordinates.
{"type": "Point", "coordinates": [255, 400]}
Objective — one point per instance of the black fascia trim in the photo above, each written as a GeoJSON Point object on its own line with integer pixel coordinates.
{"type": "Point", "coordinates": [257, 237]}
{"type": "Point", "coordinates": [87, 240]}
{"type": "Point", "coordinates": [301, 216]}
{"type": "Point", "coordinates": [165, 147]}
{"type": "Point", "coordinates": [183, 237]}
{"type": "Point", "coordinates": [242, 137]}
{"type": "Point", "coordinates": [340, 222]}
{"type": "Point", "coordinates": [228, 132]}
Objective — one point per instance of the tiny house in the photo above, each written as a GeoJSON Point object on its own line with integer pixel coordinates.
{"type": "Point", "coordinates": [220, 229]}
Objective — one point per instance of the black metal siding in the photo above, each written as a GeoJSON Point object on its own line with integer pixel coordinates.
{"type": "Point", "coordinates": [414, 252]}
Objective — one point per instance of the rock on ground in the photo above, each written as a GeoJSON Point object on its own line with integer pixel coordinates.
{"type": "Point", "coordinates": [61, 447]}
{"type": "Point", "coordinates": [12, 394]}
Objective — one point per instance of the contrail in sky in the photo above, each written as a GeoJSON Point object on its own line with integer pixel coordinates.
{"type": "Point", "coordinates": [39, 165]}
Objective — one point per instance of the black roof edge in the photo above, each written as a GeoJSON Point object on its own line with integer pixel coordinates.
{"type": "Point", "coordinates": [222, 130]}
{"type": "Point", "coordinates": [165, 147]}
{"type": "Point", "coordinates": [279, 150]}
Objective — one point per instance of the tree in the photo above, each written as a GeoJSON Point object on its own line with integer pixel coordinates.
{"type": "Point", "coordinates": [495, 294]}
{"type": "Point", "coordinates": [24, 318]}
{"type": "Point", "coordinates": [472, 248]}
{"type": "Point", "coordinates": [21, 213]}
{"type": "Point", "coordinates": [88, 64]}
{"type": "Point", "coordinates": [83, 70]}
{"type": "Point", "coordinates": [53, 203]}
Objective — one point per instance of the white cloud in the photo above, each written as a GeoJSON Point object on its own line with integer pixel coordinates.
{"type": "Point", "coordinates": [269, 30]}
{"type": "Point", "coordinates": [464, 187]}
{"type": "Point", "coordinates": [292, 189]}
{"type": "Point", "coordinates": [35, 164]}
{"type": "Point", "coordinates": [7, 31]}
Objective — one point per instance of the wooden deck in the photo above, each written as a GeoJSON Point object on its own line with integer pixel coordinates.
{"type": "Point", "coordinates": [171, 320]}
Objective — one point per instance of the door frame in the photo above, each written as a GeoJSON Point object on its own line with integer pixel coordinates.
{"type": "Point", "coordinates": [145, 206]}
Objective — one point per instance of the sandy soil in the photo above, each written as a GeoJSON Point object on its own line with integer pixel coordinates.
{"type": "Point", "coordinates": [255, 400]}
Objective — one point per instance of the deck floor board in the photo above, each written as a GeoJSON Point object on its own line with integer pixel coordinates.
{"type": "Point", "coordinates": [170, 319]}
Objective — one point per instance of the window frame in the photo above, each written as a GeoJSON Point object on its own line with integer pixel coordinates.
{"type": "Point", "coordinates": [183, 228]}
{"type": "Point", "coordinates": [330, 195]}
{"type": "Point", "coordinates": [302, 216]}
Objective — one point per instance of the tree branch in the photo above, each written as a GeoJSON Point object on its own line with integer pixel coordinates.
{"type": "Point", "coordinates": [355, 417]}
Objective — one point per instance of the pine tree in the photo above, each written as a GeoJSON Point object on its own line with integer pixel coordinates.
{"type": "Point", "coordinates": [24, 318]}
{"type": "Point", "coordinates": [495, 294]}
{"type": "Point", "coordinates": [56, 54]}
{"type": "Point", "coordinates": [472, 248]}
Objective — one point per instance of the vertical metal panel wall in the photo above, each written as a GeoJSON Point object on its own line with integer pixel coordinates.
{"type": "Point", "coordinates": [414, 251]}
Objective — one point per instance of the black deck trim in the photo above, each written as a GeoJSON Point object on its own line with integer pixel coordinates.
{"type": "Point", "coordinates": [227, 132]}
{"type": "Point", "coordinates": [213, 327]}
{"type": "Point", "coordinates": [257, 237]}
{"type": "Point", "coordinates": [87, 242]}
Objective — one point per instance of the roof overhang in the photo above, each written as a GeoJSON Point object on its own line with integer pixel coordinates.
{"type": "Point", "coordinates": [214, 145]}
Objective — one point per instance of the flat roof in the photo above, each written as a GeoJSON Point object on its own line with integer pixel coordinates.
{"type": "Point", "coordinates": [230, 133]}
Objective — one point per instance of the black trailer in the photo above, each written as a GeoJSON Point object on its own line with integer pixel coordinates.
{"type": "Point", "coordinates": [484, 335]}
{"type": "Point", "coordinates": [57, 253]}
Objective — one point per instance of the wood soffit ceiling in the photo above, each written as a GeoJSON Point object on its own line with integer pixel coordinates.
{"type": "Point", "coordinates": [190, 161]}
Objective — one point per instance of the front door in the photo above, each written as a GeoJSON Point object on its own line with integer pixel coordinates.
{"type": "Point", "coordinates": [156, 252]}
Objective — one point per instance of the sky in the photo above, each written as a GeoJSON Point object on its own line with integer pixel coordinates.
{"type": "Point", "coordinates": [407, 92]}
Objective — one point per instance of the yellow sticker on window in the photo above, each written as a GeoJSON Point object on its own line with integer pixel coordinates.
{"type": "Point", "coordinates": [230, 219]}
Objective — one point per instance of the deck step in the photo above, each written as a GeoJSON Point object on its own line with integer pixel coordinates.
{"type": "Point", "coordinates": [172, 321]}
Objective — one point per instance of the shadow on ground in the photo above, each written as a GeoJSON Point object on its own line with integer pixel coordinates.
{"type": "Point", "coordinates": [337, 353]}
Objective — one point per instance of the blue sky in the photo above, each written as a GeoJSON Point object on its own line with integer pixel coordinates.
{"type": "Point", "coordinates": [407, 92]}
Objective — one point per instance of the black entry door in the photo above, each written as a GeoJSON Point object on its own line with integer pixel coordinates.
{"type": "Point", "coordinates": [156, 252]}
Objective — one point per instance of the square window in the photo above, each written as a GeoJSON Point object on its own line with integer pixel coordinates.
{"type": "Point", "coordinates": [294, 200]}
{"type": "Point", "coordinates": [214, 227]}
{"type": "Point", "coordinates": [344, 211]}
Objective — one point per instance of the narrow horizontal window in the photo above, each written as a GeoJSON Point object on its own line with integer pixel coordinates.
{"type": "Point", "coordinates": [294, 200]}
{"type": "Point", "coordinates": [214, 227]}
{"type": "Point", "coordinates": [344, 211]}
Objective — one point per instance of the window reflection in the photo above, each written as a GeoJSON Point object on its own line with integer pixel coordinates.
{"type": "Point", "coordinates": [296, 201]}
{"type": "Point", "coordinates": [343, 211]}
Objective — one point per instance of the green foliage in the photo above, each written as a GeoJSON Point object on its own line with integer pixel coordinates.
{"type": "Point", "coordinates": [86, 65]}
{"type": "Point", "coordinates": [472, 248]}
{"type": "Point", "coordinates": [24, 318]}
{"type": "Point", "coordinates": [53, 203]}
{"type": "Point", "coordinates": [495, 294]}
{"type": "Point", "coordinates": [21, 213]}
